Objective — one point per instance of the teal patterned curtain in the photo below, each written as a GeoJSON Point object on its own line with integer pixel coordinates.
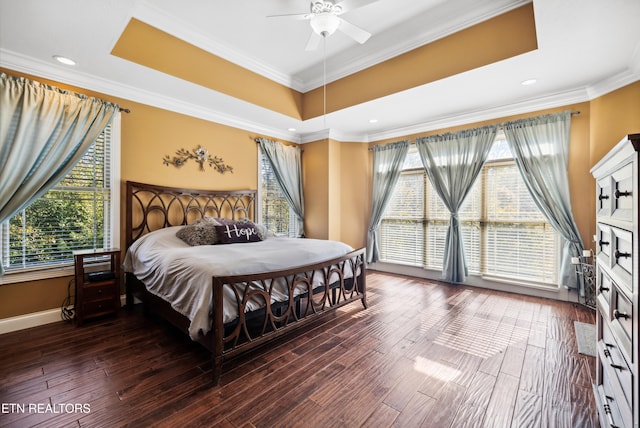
{"type": "Point", "coordinates": [387, 166]}
{"type": "Point", "coordinates": [540, 146]}
{"type": "Point", "coordinates": [453, 163]}
{"type": "Point", "coordinates": [44, 132]}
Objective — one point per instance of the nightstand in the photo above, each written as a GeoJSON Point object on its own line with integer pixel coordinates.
{"type": "Point", "coordinates": [97, 278]}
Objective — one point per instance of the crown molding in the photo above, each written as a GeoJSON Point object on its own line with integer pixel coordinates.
{"type": "Point", "coordinates": [29, 65]}
{"type": "Point", "coordinates": [147, 12]}
{"type": "Point", "coordinates": [361, 62]}
{"type": "Point", "coordinates": [614, 82]}
{"type": "Point", "coordinates": [634, 64]}
{"type": "Point", "coordinates": [541, 103]}
{"type": "Point", "coordinates": [323, 134]}
{"type": "Point", "coordinates": [334, 134]}
{"type": "Point", "coordinates": [630, 75]}
{"type": "Point", "coordinates": [556, 100]}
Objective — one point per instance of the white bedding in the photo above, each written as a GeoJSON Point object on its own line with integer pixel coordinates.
{"type": "Point", "coordinates": [182, 274]}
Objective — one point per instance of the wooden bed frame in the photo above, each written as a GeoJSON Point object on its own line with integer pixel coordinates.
{"type": "Point", "coordinates": [150, 207]}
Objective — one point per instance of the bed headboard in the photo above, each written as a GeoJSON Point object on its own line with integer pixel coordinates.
{"type": "Point", "coordinates": [150, 207]}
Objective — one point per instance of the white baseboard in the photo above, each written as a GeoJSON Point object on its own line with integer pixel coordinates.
{"type": "Point", "coordinates": [548, 292]}
{"type": "Point", "coordinates": [7, 325]}
{"type": "Point", "coordinates": [35, 319]}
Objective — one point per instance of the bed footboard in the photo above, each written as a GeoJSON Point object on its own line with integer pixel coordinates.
{"type": "Point", "coordinates": [309, 292]}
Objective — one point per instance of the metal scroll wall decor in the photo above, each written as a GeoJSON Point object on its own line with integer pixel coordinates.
{"type": "Point", "coordinates": [201, 156]}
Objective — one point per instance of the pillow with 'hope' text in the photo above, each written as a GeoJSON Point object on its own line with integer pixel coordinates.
{"type": "Point", "coordinates": [237, 233]}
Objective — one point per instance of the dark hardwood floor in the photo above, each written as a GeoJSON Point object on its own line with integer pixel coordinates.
{"type": "Point", "coordinates": [423, 354]}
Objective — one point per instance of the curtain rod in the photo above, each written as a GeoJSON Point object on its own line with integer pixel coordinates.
{"type": "Point", "coordinates": [297, 144]}
{"type": "Point", "coordinates": [125, 110]}
{"type": "Point", "coordinates": [573, 113]}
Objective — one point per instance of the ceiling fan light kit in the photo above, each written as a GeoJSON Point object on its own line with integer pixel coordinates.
{"type": "Point", "coordinates": [325, 24]}
{"type": "Point", "coordinates": [325, 20]}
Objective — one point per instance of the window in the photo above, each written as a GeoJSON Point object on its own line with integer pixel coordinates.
{"type": "Point", "coordinates": [80, 212]}
{"type": "Point", "coordinates": [504, 233]}
{"type": "Point", "coordinates": [274, 210]}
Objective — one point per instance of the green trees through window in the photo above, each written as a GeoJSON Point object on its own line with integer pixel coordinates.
{"type": "Point", "coordinates": [74, 215]}
{"type": "Point", "coordinates": [275, 213]}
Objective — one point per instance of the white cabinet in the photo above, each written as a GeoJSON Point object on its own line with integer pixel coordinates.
{"type": "Point", "coordinates": [617, 273]}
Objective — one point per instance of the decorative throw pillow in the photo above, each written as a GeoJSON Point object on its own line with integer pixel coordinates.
{"type": "Point", "coordinates": [215, 221]}
{"type": "Point", "coordinates": [237, 233]}
{"type": "Point", "coordinates": [262, 230]}
{"type": "Point", "coordinates": [222, 220]}
{"type": "Point", "coordinates": [201, 232]}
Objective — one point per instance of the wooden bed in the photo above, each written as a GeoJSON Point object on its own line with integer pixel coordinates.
{"type": "Point", "coordinates": [151, 207]}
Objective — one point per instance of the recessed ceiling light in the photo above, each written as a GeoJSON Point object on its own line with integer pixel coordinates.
{"type": "Point", "coordinates": [64, 60]}
{"type": "Point", "coordinates": [528, 82]}
{"type": "Point", "coordinates": [373, 120]}
{"type": "Point", "coordinates": [291, 129]}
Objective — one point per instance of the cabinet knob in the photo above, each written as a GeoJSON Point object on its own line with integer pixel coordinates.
{"type": "Point", "coordinates": [620, 194]}
{"type": "Point", "coordinates": [622, 255]}
{"type": "Point", "coordinates": [617, 314]}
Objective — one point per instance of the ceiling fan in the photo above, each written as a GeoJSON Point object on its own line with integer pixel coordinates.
{"type": "Point", "coordinates": [325, 20]}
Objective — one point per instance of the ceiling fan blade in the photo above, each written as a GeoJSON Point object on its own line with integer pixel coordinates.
{"type": "Point", "coordinates": [313, 42]}
{"type": "Point", "coordinates": [356, 33]}
{"type": "Point", "coordinates": [348, 5]}
{"type": "Point", "coordinates": [299, 16]}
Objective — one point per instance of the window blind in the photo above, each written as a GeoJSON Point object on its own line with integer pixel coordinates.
{"type": "Point", "coordinates": [74, 215]}
{"type": "Point", "coordinates": [519, 243]}
{"type": "Point", "coordinates": [504, 234]}
{"type": "Point", "coordinates": [402, 225]}
{"type": "Point", "coordinates": [275, 212]}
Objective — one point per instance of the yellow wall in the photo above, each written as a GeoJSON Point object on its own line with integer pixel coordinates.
{"type": "Point", "coordinates": [337, 195]}
{"type": "Point", "coordinates": [336, 175]}
{"type": "Point", "coordinates": [315, 176]}
{"type": "Point", "coordinates": [148, 46]}
{"type": "Point", "coordinates": [334, 181]}
{"type": "Point", "coordinates": [504, 36]}
{"type": "Point", "coordinates": [614, 115]}
{"type": "Point", "coordinates": [34, 296]}
{"type": "Point", "coordinates": [355, 193]}
{"type": "Point", "coordinates": [147, 135]}
{"type": "Point", "coordinates": [498, 38]}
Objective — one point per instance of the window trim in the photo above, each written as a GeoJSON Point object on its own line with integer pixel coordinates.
{"type": "Point", "coordinates": [67, 269]}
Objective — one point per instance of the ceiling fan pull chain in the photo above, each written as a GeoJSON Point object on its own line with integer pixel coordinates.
{"type": "Point", "coordinates": [324, 81]}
